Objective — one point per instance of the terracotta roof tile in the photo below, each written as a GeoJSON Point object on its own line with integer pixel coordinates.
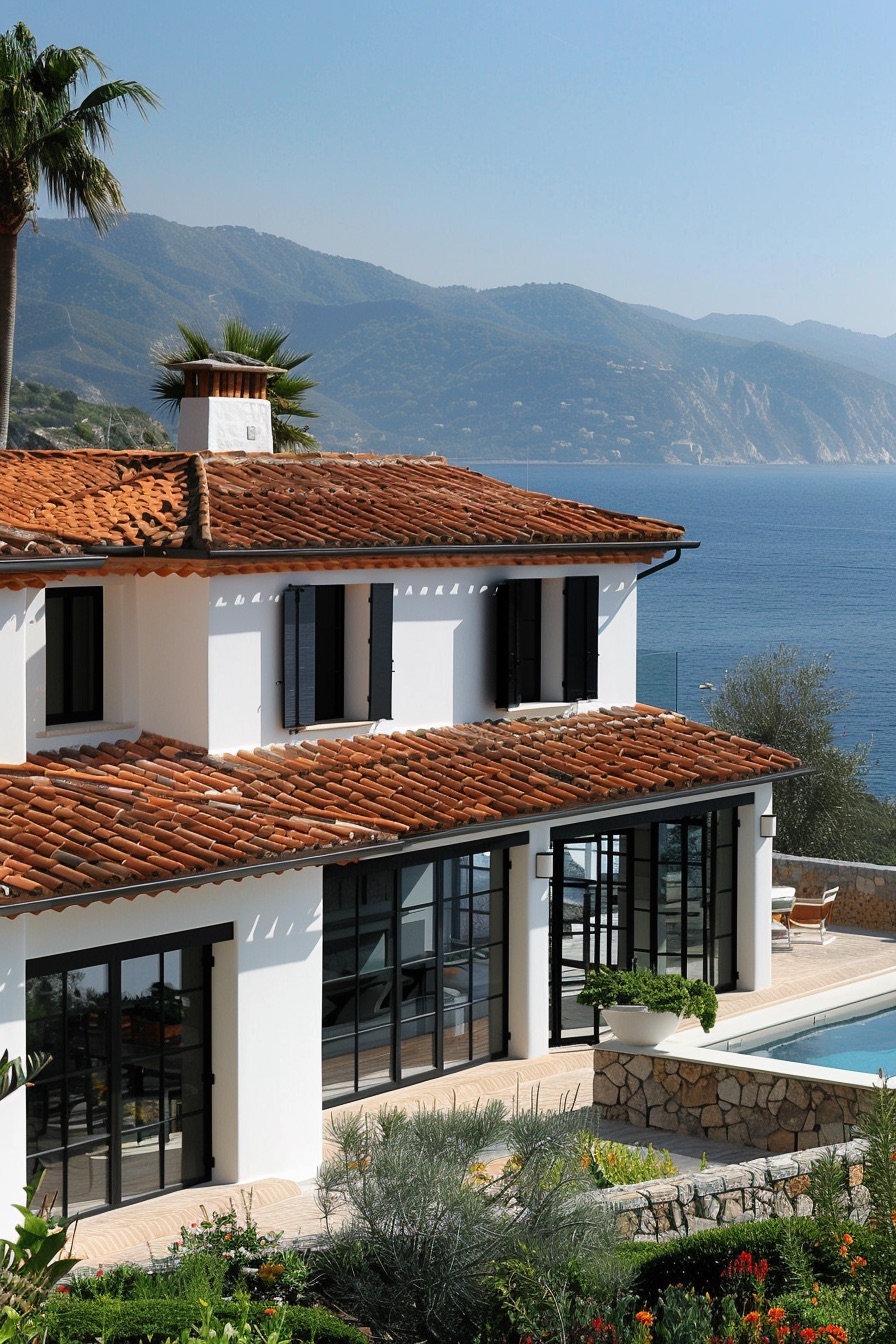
{"type": "Point", "coordinates": [63, 503]}
{"type": "Point", "coordinates": [179, 813]}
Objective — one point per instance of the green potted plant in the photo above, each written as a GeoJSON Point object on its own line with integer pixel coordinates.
{"type": "Point", "coordinates": [642, 1007]}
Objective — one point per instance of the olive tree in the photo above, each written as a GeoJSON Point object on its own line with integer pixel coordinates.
{"type": "Point", "coordinates": [788, 700]}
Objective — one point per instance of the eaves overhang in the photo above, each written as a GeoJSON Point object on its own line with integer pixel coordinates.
{"type": "Point", "coordinates": [389, 848]}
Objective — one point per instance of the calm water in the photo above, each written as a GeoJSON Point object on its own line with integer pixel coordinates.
{"type": "Point", "coordinates": [790, 555]}
{"type": "Point", "coordinates": [865, 1045]}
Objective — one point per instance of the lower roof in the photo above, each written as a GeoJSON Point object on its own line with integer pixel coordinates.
{"type": "Point", "coordinates": [130, 816]}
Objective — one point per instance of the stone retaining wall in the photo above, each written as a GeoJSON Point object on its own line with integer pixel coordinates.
{"type": "Point", "coordinates": [756, 1106]}
{"type": "Point", "coordinates": [867, 896]}
{"type": "Point", "coordinates": [767, 1187]}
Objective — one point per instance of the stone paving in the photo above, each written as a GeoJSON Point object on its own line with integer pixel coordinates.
{"type": "Point", "coordinates": [564, 1076]}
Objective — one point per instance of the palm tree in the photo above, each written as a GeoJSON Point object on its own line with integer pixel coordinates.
{"type": "Point", "coordinates": [47, 140]}
{"type": "Point", "coordinates": [285, 392]}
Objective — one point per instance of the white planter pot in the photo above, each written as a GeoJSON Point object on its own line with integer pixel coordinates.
{"type": "Point", "coordinates": [633, 1024]}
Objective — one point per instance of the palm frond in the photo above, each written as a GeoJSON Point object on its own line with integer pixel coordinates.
{"type": "Point", "coordinates": [285, 393]}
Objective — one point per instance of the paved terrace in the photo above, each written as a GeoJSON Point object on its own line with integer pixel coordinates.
{"type": "Point", "coordinates": [563, 1077]}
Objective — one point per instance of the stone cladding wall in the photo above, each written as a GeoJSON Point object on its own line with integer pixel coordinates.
{"type": "Point", "coordinates": [867, 896]}
{"type": "Point", "coordinates": [752, 1106]}
{"type": "Point", "coordinates": [764, 1188]}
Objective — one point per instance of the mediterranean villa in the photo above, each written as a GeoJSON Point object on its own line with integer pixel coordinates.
{"type": "Point", "coordinates": [322, 774]}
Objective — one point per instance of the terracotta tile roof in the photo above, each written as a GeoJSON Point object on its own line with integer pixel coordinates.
{"type": "Point", "coordinates": [213, 502]}
{"type": "Point", "coordinates": [130, 812]}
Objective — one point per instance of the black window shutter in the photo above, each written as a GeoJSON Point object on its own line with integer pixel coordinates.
{"type": "Point", "coordinates": [581, 602]}
{"type": "Point", "coordinates": [506, 688]}
{"type": "Point", "coordinates": [379, 692]}
{"type": "Point", "coordinates": [518, 648]}
{"type": "Point", "coordinates": [528, 638]}
{"type": "Point", "coordinates": [298, 657]}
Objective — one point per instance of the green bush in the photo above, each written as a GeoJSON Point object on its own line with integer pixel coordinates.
{"type": "Point", "coordinates": [68, 1320]}
{"type": "Point", "coordinates": [604, 987]}
{"type": "Point", "coordinates": [699, 1260]}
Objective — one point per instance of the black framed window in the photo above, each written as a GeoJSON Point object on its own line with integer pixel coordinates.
{"type": "Point", "coordinates": [581, 596]}
{"type": "Point", "coordinates": [414, 970]}
{"type": "Point", "coordinates": [122, 1111]}
{"type": "Point", "coordinates": [518, 647]}
{"type": "Point", "coordinates": [315, 649]}
{"type": "Point", "coordinates": [74, 654]}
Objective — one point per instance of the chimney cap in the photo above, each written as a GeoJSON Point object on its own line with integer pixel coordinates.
{"type": "Point", "coordinates": [225, 361]}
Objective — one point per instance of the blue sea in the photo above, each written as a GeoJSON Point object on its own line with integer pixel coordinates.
{"type": "Point", "coordinates": [802, 556]}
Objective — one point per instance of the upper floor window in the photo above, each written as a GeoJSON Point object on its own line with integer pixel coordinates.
{"type": "Point", "coordinates": [74, 653]}
{"type": "Point", "coordinates": [518, 662]}
{"type": "Point", "coordinates": [317, 652]}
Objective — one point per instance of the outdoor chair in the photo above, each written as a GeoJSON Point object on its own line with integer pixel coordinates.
{"type": "Point", "coordinates": [782, 907]}
{"type": "Point", "coordinates": [811, 913]}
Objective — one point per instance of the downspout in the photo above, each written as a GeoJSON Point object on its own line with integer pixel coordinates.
{"type": "Point", "coordinates": [655, 569]}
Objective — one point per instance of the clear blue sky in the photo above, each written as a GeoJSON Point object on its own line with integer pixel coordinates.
{"type": "Point", "coordinates": [699, 155]}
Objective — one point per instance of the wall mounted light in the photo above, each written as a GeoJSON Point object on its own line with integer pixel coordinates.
{"type": "Point", "coordinates": [544, 865]}
{"type": "Point", "coordinates": [768, 826]}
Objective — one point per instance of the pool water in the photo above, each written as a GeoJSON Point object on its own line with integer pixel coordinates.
{"type": "Point", "coordinates": [863, 1044]}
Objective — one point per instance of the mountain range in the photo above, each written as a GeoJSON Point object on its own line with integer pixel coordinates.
{"type": "Point", "coordinates": [545, 372]}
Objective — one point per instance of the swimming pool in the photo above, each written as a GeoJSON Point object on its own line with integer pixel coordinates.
{"type": "Point", "coordinates": [858, 1037]}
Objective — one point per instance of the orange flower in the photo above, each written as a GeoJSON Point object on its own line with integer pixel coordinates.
{"type": "Point", "coordinates": [847, 1239]}
{"type": "Point", "coordinates": [644, 1317]}
{"type": "Point", "coordinates": [858, 1262]}
{"type": "Point", "coordinates": [270, 1311]}
{"type": "Point", "coordinates": [776, 1315]}
{"type": "Point", "coordinates": [893, 1292]}
{"type": "Point", "coordinates": [751, 1318]}
{"type": "Point", "coordinates": [835, 1332]}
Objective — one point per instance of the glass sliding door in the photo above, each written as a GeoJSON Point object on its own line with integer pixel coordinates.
{"type": "Point", "coordinates": [122, 1110]}
{"type": "Point", "coordinates": [660, 894]}
{"type": "Point", "coordinates": [414, 970]}
{"type": "Point", "coordinates": [590, 922]}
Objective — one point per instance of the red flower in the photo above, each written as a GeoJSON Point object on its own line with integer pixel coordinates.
{"type": "Point", "coordinates": [99, 1274]}
{"type": "Point", "coordinates": [63, 1288]}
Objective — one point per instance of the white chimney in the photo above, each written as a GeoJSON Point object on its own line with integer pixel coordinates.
{"type": "Point", "coordinates": [225, 408]}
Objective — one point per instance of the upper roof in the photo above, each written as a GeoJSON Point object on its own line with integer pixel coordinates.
{"type": "Point", "coordinates": [175, 508]}
{"type": "Point", "coordinates": [131, 814]}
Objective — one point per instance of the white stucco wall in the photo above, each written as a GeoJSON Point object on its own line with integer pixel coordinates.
{"type": "Point", "coordinates": [13, 674]}
{"type": "Point", "coordinates": [200, 659]}
{"type": "Point", "coordinates": [173, 644]}
{"type": "Point", "coordinates": [528, 949]}
{"type": "Point", "coordinates": [266, 1013]}
{"type": "Point", "coordinates": [443, 648]}
{"type": "Point", "coordinates": [224, 425]}
{"type": "Point", "coordinates": [754, 895]}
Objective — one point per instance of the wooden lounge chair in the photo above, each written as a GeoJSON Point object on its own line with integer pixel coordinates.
{"type": "Point", "coordinates": [813, 912]}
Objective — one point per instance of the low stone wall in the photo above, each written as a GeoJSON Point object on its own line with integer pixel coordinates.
{"type": "Point", "coordinates": [867, 896]}
{"type": "Point", "coordinates": [765, 1188]}
{"type": "Point", "coordinates": [756, 1106]}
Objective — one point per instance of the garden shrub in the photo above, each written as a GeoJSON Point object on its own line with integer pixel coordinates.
{"type": "Point", "coordinates": [69, 1320]}
{"type": "Point", "coordinates": [698, 1261]}
{"type": "Point", "coordinates": [433, 1246]}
